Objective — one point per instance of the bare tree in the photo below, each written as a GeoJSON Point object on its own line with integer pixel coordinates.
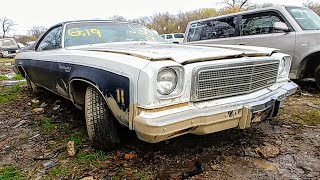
{"type": "Point", "coordinates": [6, 25]}
{"type": "Point", "coordinates": [257, 6]}
{"type": "Point", "coordinates": [236, 3]}
{"type": "Point", "coordinates": [313, 6]}
{"type": "Point", "coordinates": [183, 18]}
{"type": "Point", "coordinates": [145, 20]}
{"type": "Point", "coordinates": [163, 23]}
{"type": "Point", "coordinates": [36, 31]}
{"type": "Point", "coordinates": [117, 18]}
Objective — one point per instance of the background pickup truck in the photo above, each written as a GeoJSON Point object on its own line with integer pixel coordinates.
{"type": "Point", "coordinates": [293, 30]}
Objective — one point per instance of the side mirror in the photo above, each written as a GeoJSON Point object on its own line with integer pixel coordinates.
{"type": "Point", "coordinates": [280, 26]}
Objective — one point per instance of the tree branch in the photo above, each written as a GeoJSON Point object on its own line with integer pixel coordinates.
{"type": "Point", "coordinates": [6, 25]}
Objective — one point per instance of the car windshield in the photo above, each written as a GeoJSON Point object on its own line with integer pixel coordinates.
{"type": "Point", "coordinates": [107, 32]}
{"type": "Point", "coordinates": [306, 18]}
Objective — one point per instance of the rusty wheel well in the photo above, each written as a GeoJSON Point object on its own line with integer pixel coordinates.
{"type": "Point", "coordinates": [309, 65]}
{"type": "Point", "coordinates": [77, 92]}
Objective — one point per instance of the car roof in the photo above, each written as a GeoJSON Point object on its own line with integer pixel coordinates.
{"type": "Point", "coordinates": [86, 21]}
{"type": "Point", "coordinates": [281, 7]}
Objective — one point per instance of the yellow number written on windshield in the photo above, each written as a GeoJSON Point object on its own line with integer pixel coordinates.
{"type": "Point", "coordinates": [75, 32]}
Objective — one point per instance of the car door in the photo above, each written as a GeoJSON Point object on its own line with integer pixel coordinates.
{"type": "Point", "coordinates": [43, 69]}
{"type": "Point", "coordinates": [257, 30]}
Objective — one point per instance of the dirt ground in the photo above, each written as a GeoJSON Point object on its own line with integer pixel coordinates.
{"type": "Point", "coordinates": [33, 145]}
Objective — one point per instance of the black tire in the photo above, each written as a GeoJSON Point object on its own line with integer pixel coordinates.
{"type": "Point", "coordinates": [1, 56]}
{"type": "Point", "coordinates": [101, 125]}
{"type": "Point", "coordinates": [317, 76]}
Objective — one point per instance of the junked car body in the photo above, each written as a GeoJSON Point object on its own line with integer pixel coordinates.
{"type": "Point", "coordinates": [293, 30]}
{"type": "Point", "coordinates": [8, 47]}
{"type": "Point", "coordinates": [123, 73]}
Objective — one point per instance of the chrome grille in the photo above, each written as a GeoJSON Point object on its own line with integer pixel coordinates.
{"type": "Point", "coordinates": [235, 79]}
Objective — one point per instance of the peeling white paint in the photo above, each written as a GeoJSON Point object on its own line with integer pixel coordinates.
{"type": "Point", "coordinates": [61, 91]}
{"type": "Point", "coordinates": [120, 115]}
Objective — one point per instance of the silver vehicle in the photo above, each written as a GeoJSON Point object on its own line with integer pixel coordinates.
{"type": "Point", "coordinates": [293, 30]}
{"type": "Point", "coordinates": [8, 48]}
{"type": "Point", "coordinates": [124, 74]}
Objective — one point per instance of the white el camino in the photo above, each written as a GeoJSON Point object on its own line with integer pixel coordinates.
{"type": "Point", "coordinates": [123, 74]}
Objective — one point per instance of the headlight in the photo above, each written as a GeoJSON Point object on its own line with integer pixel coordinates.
{"type": "Point", "coordinates": [166, 81]}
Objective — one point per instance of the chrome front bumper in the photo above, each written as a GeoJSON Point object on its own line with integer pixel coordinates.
{"type": "Point", "coordinates": [204, 119]}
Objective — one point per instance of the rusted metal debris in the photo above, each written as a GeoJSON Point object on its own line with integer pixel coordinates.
{"type": "Point", "coordinates": [199, 169]}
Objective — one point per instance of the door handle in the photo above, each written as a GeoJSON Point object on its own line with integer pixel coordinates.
{"type": "Point", "coordinates": [242, 43]}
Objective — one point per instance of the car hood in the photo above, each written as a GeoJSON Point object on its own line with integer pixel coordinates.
{"type": "Point", "coordinates": [180, 53]}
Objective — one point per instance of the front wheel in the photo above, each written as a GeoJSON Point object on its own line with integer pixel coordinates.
{"type": "Point", "coordinates": [317, 76]}
{"type": "Point", "coordinates": [101, 124]}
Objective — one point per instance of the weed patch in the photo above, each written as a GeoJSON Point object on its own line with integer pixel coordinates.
{"type": "Point", "coordinates": [6, 60]}
{"type": "Point", "coordinates": [47, 125]}
{"type": "Point", "coordinates": [60, 171]}
{"type": "Point", "coordinates": [10, 173]}
{"type": "Point", "coordinates": [79, 137]}
{"type": "Point", "coordinates": [311, 118]}
{"type": "Point", "coordinates": [8, 94]}
{"type": "Point", "coordinates": [17, 77]}
{"type": "Point", "coordinates": [3, 78]}
{"type": "Point", "coordinates": [91, 158]}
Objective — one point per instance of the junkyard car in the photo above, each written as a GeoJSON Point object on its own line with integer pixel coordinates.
{"type": "Point", "coordinates": [124, 74]}
{"type": "Point", "coordinates": [294, 30]}
{"type": "Point", "coordinates": [176, 38]}
{"type": "Point", "coordinates": [8, 47]}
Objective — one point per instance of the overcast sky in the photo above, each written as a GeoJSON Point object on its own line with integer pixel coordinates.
{"type": "Point", "coordinates": [28, 13]}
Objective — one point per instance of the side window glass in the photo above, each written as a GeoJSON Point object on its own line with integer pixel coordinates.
{"type": "Point", "coordinates": [52, 40]}
{"type": "Point", "coordinates": [169, 37]}
{"type": "Point", "coordinates": [178, 36]}
{"type": "Point", "coordinates": [213, 29]}
{"type": "Point", "coordinates": [259, 23]}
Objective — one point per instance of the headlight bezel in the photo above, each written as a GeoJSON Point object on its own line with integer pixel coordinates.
{"type": "Point", "coordinates": [178, 89]}
{"type": "Point", "coordinates": [284, 73]}
{"type": "Point", "coordinates": [286, 60]}
{"type": "Point", "coordinates": [282, 66]}
{"type": "Point", "coordinates": [175, 81]}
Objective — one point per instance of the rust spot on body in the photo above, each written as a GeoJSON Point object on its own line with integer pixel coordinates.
{"type": "Point", "coordinates": [163, 108]}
